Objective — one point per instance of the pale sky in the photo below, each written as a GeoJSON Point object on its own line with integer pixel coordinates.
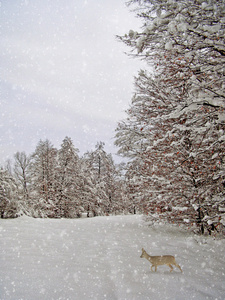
{"type": "Point", "coordinates": [62, 72]}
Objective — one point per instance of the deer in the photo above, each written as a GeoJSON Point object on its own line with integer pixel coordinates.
{"type": "Point", "coordinates": [168, 260]}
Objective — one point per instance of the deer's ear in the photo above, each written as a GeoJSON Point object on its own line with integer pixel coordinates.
{"type": "Point", "coordinates": [142, 249]}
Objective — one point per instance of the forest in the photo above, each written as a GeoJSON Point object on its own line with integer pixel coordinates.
{"type": "Point", "coordinates": [59, 184]}
{"type": "Point", "coordinates": [173, 135]}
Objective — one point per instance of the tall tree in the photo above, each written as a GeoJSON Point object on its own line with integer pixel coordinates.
{"type": "Point", "coordinates": [8, 195]}
{"type": "Point", "coordinates": [103, 174]}
{"type": "Point", "coordinates": [69, 180]}
{"type": "Point", "coordinates": [175, 125]}
{"type": "Point", "coordinates": [89, 191]}
{"type": "Point", "coordinates": [42, 170]}
{"type": "Point", "coordinates": [21, 166]}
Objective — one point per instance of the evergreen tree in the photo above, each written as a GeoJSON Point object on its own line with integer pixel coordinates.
{"type": "Point", "coordinates": [89, 191]}
{"type": "Point", "coordinates": [174, 131]}
{"type": "Point", "coordinates": [103, 175]}
{"type": "Point", "coordinates": [42, 172]}
{"type": "Point", "coordinates": [69, 183]}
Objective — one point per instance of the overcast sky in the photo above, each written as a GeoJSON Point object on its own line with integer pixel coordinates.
{"type": "Point", "coordinates": [62, 72]}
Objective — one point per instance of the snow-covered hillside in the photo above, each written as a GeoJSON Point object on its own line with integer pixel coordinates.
{"type": "Point", "coordinates": [99, 258]}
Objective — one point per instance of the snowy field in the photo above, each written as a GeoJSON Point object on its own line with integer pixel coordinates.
{"type": "Point", "coordinates": [99, 258]}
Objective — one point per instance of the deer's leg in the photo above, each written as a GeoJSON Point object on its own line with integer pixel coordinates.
{"type": "Point", "coordinates": [171, 268]}
{"type": "Point", "coordinates": [178, 267]}
{"type": "Point", "coordinates": [155, 268]}
{"type": "Point", "coordinates": [151, 268]}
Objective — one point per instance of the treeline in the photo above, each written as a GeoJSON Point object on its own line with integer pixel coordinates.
{"type": "Point", "coordinates": [58, 183]}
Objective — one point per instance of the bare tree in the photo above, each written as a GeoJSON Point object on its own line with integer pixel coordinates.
{"type": "Point", "coordinates": [8, 195]}
{"type": "Point", "coordinates": [21, 166]}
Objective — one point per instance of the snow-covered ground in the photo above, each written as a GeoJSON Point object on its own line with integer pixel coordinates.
{"type": "Point", "coordinates": [99, 258]}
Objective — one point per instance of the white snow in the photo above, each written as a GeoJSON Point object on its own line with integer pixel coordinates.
{"type": "Point", "coordinates": [99, 258]}
{"type": "Point", "coordinates": [169, 45]}
{"type": "Point", "coordinates": [172, 26]}
{"type": "Point", "coordinates": [212, 29]}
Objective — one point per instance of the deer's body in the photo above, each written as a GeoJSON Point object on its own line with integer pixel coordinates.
{"type": "Point", "coordinates": [168, 260]}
